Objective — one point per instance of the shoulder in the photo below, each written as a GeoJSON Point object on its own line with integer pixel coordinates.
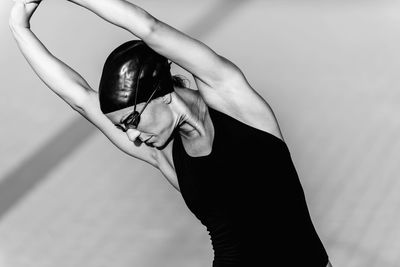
{"type": "Point", "coordinates": [235, 97]}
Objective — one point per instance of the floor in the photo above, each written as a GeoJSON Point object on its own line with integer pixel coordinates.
{"type": "Point", "coordinates": [68, 197]}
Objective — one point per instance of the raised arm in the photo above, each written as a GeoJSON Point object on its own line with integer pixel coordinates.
{"type": "Point", "coordinates": [187, 52]}
{"type": "Point", "coordinates": [66, 82]}
{"type": "Point", "coordinates": [221, 83]}
{"type": "Point", "coordinates": [58, 76]}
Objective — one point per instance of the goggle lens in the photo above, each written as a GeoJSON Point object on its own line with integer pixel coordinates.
{"type": "Point", "coordinates": [132, 121]}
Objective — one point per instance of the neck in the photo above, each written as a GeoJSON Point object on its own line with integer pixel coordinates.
{"type": "Point", "coordinates": [195, 125]}
{"type": "Point", "coordinates": [192, 110]}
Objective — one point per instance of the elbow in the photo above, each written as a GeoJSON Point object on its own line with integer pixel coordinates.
{"type": "Point", "coordinates": [137, 21]}
{"type": "Point", "coordinates": [77, 108]}
{"type": "Point", "coordinates": [152, 29]}
{"type": "Point", "coordinates": [80, 108]}
{"type": "Point", "coordinates": [76, 105]}
{"type": "Point", "coordinates": [154, 24]}
{"type": "Point", "coordinates": [86, 102]}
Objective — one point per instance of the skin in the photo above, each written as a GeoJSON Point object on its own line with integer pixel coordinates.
{"type": "Point", "coordinates": [157, 122]}
{"type": "Point", "coordinates": [220, 84]}
{"type": "Point", "coordinates": [185, 110]}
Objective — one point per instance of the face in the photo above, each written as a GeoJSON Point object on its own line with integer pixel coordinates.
{"type": "Point", "coordinates": [155, 126]}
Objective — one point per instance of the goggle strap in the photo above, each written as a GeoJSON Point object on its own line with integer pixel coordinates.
{"type": "Point", "coordinates": [151, 96]}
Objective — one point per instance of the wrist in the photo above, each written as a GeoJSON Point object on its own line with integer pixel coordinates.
{"type": "Point", "coordinates": [15, 25]}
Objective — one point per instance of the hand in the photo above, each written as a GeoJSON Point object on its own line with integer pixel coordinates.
{"type": "Point", "coordinates": [22, 12]}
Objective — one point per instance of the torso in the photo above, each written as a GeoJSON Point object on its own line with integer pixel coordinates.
{"type": "Point", "coordinates": [210, 186]}
{"type": "Point", "coordinates": [242, 197]}
{"type": "Point", "coordinates": [247, 107]}
{"type": "Point", "coordinates": [165, 162]}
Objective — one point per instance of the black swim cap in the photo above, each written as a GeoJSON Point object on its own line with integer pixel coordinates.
{"type": "Point", "coordinates": [133, 68]}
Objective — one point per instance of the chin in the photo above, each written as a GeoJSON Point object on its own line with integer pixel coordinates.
{"type": "Point", "coordinates": [160, 144]}
{"type": "Point", "coordinates": [153, 144]}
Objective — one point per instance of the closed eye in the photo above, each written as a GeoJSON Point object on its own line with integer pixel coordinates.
{"type": "Point", "coordinates": [120, 127]}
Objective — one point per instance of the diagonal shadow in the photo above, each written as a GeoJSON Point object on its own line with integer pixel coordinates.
{"type": "Point", "coordinates": [33, 170]}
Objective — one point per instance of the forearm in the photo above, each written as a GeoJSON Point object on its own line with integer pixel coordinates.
{"type": "Point", "coordinates": [59, 77]}
{"type": "Point", "coordinates": [123, 14]}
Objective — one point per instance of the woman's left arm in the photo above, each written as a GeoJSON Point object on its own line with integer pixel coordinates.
{"type": "Point", "coordinates": [122, 14]}
{"type": "Point", "coordinates": [191, 54]}
{"type": "Point", "coordinates": [221, 83]}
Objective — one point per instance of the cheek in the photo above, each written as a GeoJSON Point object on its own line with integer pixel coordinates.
{"type": "Point", "coordinates": [163, 121]}
{"type": "Point", "coordinates": [158, 120]}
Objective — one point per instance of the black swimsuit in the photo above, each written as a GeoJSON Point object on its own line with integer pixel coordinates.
{"type": "Point", "coordinates": [248, 195]}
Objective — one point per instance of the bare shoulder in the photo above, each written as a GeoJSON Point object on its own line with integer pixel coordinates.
{"type": "Point", "coordinates": [237, 98]}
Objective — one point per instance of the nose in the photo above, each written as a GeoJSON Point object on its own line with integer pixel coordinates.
{"type": "Point", "coordinates": [132, 134]}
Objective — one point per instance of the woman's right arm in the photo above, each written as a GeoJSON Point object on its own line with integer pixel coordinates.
{"type": "Point", "coordinates": [67, 83]}
{"type": "Point", "coordinates": [58, 76]}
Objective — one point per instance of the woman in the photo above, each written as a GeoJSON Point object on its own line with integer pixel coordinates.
{"type": "Point", "coordinates": [220, 145]}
